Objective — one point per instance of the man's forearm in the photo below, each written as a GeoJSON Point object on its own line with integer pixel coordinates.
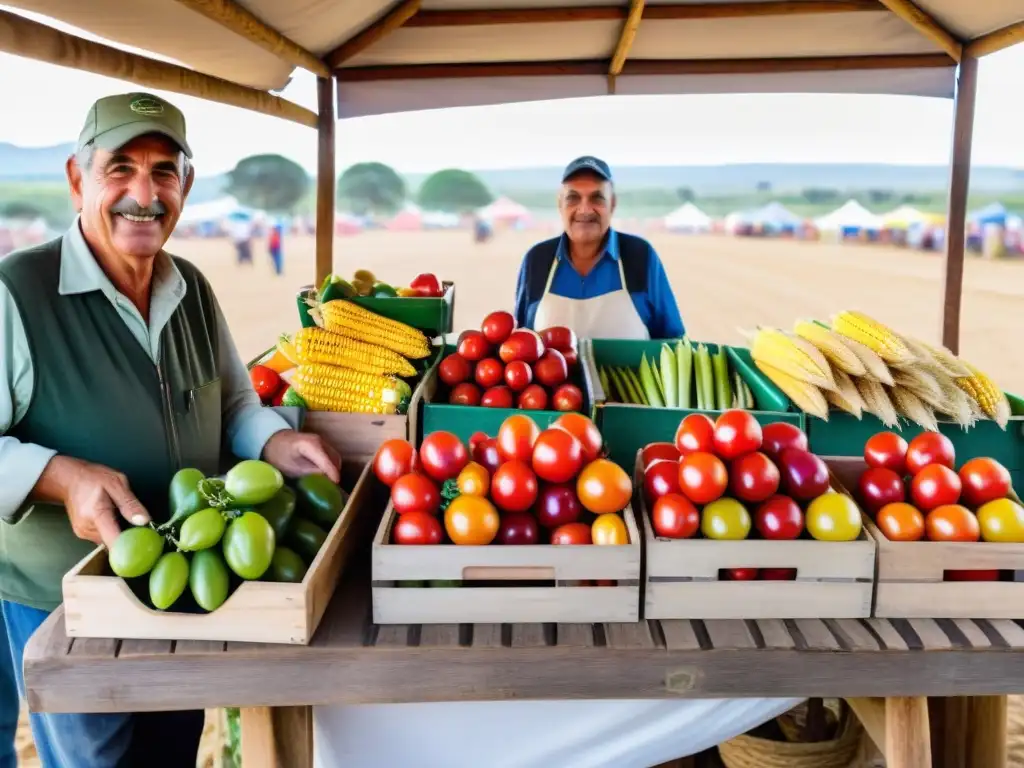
{"type": "Point", "coordinates": [28, 473]}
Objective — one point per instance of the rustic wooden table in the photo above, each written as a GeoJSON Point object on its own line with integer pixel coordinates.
{"type": "Point", "coordinates": [885, 668]}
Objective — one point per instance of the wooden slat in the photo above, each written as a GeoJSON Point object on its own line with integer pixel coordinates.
{"type": "Point", "coordinates": [729, 634]}
{"type": "Point", "coordinates": [395, 18]}
{"type": "Point", "coordinates": [974, 633]}
{"type": "Point", "coordinates": [679, 635]}
{"type": "Point", "coordinates": [257, 737]}
{"type": "Point", "coordinates": [575, 635]}
{"type": "Point", "coordinates": [626, 37]}
{"type": "Point", "coordinates": [1010, 631]}
{"type": "Point", "coordinates": [198, 647]}
{"type": "Point", "coordinates": [817, 635]}
{"type": "Point", "coordinates": [906, 718]}
{"type": "Point", "coordinates": [439, 636]}
{"type": "Point", "coordinates": [629, 635]}
{"type": "Point", "coordinates": [393, 636]}
{"type": "Point", "coordinates": [528, 636]}
{"type": "Point", "coordinates": [325, 179]}
{"type": "Point", "coordinates": [24, 37]}
{"type": "Point", "coordinates": [347, 620]}
{"type": "Point", "coordinates": [775, 634]}
{"type": "Point", "coordinates": [133, 648]}
{"type": "Point", "coordinates": [996, 41]}
{"type": "Point", "coordinates": [926, 25]}
{"type": "Point", "coordinates": [931, 634]}
{"type": "Point", "coordinates": [93, 648]}
{"type": "Point", "coordinates": [487, 636]}
{"type": "Point", "coordinates": [888, 634]}
{"type": "Point", "coordinates": [50, 641]}
{"type": "Point", "coordinates": [853, 635]}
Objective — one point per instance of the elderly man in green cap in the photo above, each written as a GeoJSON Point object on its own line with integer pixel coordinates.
{"type": "Point", "coordinates": [116, 370]}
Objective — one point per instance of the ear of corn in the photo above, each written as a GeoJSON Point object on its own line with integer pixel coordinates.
{"type": "Point", "coordinates": [876, 401]}
{"type": "Point", "coordinates": [845, 397]}
{"type": "Point", "coordinates": [913, 408]}
{"type": "Point", "coordinates": [333, 388]}
{"type": "Point", "coordinates": [832, 346]}
{"type": "Point", "coordinates": [315, 345]}
{"type": "Point", "coordinates": [345, 318]}
{"type": "Point", "coordinates": [873, 364]}
{"type": "Point", "coordinates": [793, 356]}
{"type": "Point", "coordinates": [807, 397]}
{"type": "Point", "coordinates": [874, 335]}
{"type": "Point", "coordinates": [990, 399]}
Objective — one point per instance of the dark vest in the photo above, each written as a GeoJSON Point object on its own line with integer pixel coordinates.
{"type": "Point", "coordinates": [633, 251]}
{"type": "Point", "coordinates": [98, 396]}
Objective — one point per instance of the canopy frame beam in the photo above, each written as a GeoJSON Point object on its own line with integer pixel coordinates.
{"type": "Point", "coordinates": [996, 41]}
{"type": "Point", "coordinates": [392, 20]}
{"type": "Point", "coordinates": [626, 37]}
{"type": "Point", "coordinates": [926, 25]}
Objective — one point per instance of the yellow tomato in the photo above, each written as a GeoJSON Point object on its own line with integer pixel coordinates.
{"type": "Point", "coordinates": [725, 519]}
{"type": "Point", "coordinates": [1001, 520]}
{"type": "Point", "coordinates": [471, 520]}
{"type": "Point", "coordinates": [609, 530]}
{"type": "Point", "coordinates": [474, 480]}
{"type": "Point", "coordinates": [833, 517]}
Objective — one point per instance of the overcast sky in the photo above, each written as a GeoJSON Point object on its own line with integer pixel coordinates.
{"type": "Point", "coordinates": [44, 105]}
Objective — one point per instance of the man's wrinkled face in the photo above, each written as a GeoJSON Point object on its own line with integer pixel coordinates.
{"type": "Point", "coordinates": [586, 203]}
{"type": "Point", "coordinates": [130, 199]}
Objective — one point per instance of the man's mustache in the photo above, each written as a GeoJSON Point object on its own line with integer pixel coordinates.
{"type": "Point", "coordinates": [130, 206]}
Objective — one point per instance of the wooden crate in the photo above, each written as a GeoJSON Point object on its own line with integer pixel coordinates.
{"type": "Point", "coordinates": [504, 584]}
{"type": "Point", "coordinates": [910, 577]}
{"type": "Point", "coordinates": [834, 580]}
{"type": "Point", "coordinates": [100, 605]}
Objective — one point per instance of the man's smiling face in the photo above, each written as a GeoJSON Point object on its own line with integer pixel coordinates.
{"type": "Point", "coordinates": [586, 203]}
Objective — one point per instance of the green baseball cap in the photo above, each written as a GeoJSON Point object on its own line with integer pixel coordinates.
{"type": "Point", "coordinates": [113, 121]}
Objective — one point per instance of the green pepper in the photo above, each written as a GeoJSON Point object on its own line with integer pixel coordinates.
{"type": "Point", "coordinates": [305, 538]}
{"type": "Point", "coordinates": [292, 398]}
{"type": "Point", "coordinates": [335, 287]}
{"type": "Point", "coordinates": [320, 500]}
{"type": "Point", "coordinates": [185, 498]}
{"type": "Point", "coordinates": [384, 291]}
{"type": "Point", "coordinates": [279, 510]}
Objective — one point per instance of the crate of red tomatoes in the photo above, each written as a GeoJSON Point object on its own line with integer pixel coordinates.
{"type": "Point", "coordinates": [950, 530]}
{"type": "Point", "coordinates": [531, 524]}
{"type": "Point", "coordinates": [741, 521]}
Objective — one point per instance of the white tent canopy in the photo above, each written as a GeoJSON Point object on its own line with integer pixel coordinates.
{"type": "Point", "coordinates": [212, 211]}
{"type": "Point", "coordinates": [850, 215]}
{"type": "Point", "coordinates": [688, 217]}
{"type": "Point", "coordinates": [504, 209]}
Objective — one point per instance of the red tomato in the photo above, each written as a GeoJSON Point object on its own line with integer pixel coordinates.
{"type": "Point", "coordinates": [393, 459]}
{"type": "Point", "coordinates": [454, 369]}
{"type": "Point", "coordinates": [498, 397]}
{"type": "Point", "coordinates": [518, 528]}
{"type": "Point", "coordinates": [514, 486]}
{"type": "Point", "coordinates": [754, 477]}
{"type": "Point", "coordinates": [473, 346]}
{"type": "Point", "coordinates": [878, 486]}
{"type": "Point", "coordinates": [675, 517]}
{"type": "Point", "coordinates": [466, 393]}
{"type": "Point", "coordinates": [279, 395]}
{"type": "Point", "coordinates": [571, 533]}
{"type": "Point", "coordinates": [417, 528]}
{"type": "Point", "coordinates": [779, 518]}
{"type": "Point", "coordinates": [778, 574]}
{"type": "Point", "coordinates": [533, 398]}
{"type": "Point", "coordinates": [518, 375]}
{"type": "Point", "coordinates": [443, 455]}
{"type": "Point", "coordinates": [779, 435]}
{"type": "Point", "coordinates": [498, 326]}
{"type": "Point", "coordinates": [559, 337]}
{"type": "Point", "coordinates": [475, 439]}
{"type": "Point", "coordinates": [516, 437]}
{"type": "Point", "coordinates": [551, 370]}
{"type": "Point", "coordinates": [266, 381]}
{"type": "Point", "coordinates": [886, 450]}
{"type": "Point", "coordinates": [489, 373]}
{"type": "Point", "coordinates": [567, 397]}
{"type": "Point", "coordinates": [702, 477]}
{"type": "Point", "coordinates": [557, 456]}
{"type": "Point", "coordinates": [571, 357]}
{"type": "Point", "coordinates": [583, 429]}
{"type": "Point", "coordinates": [522, 344]}
{"type": "Point", "coordinates": [740, 574]}
{"type": "Point", "coordinates": [426, 285]}
{"type": "Point", "coordinates": [934, 486]}
{"type": "Point", "coordinates": [900, 522]}
{"type": "Point", "coordinates": [980, 575]}
{"type": "Point", "coordinates": [983, 480]}
{"type": "Point", "coordinates": [952, 522]}
{"type": "Point", "coordinates": [558, 505]}
{"type": "Point", "coordinates": [737, 433]}
{"type": "Point", "coordinates": [661, 477]}
{"type": "Point", "coordinates": [930, 448]}
{"type": "Point", "coordinates": [654, 451]}
{"type": "Point", "coordinates": [603, 486]}
{"type": "Point", "coordinates": [486, 454]}
{"type": "Point", "coordinates": [415, 493]}
{"type": "Point", "coordinates": [695, 433]}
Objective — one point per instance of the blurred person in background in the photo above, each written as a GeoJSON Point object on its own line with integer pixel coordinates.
{"type": "Point", "coordinates": [275, 241]}
{"type": "Point", "coordinates": [241, 229]}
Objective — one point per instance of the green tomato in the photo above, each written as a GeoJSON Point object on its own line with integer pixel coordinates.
{"type": "Point", "coordinates": [202, 530]}
{"type": "Point", "coordinates": [252, 482]}
{"type": "Point", "coordinates": [306, 538]}
{"type": "Point", "coordinates": [168, 579]}
{"type": "Point", "coordinates": [320, 500]}
{"type": "Point", "coordinates": [135, 552]}
{"type": "Point", "coordinates": [249, 545]}
{"type": "Point", "coordinates": [287, 566]}
{"type": "Point", "coordinates": [185, 499]}
{"type": "Point", "coordinates": [279, 510]}
{"type": "Point", "coordinates": [208, 578]}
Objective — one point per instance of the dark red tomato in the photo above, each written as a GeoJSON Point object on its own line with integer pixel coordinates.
{"type": "Point", "coordinates": [394, 458]}
{"type": "Point", "coordinates": [559, 337]}
{"type": "Point", "coordinates": [936, 485]}
{"type": "Point", "coordinates": [584, 430]}
{"type": "Point", "coordinates": [558, 505]}
{"type": "Point", "coordinates": [571, 357]}
{"type": "Point", "coordinates": [498, 397]}
{"type": "Point", "coordinates": [473, 345]}
{"type": "Point", "coordinates": [518, 528]}
{"type": "Point", "coordinates": [514, 486]}
{"type": "Point", "coordinates": [533, 398]}
{"type": "Point", "coordinates": [454, 369]}
{"type": "Point", "coordinates": [266, 381]}
{"type": "Point", "coordinates": [675, 517]}
{"type": "Point", "coordinates": [571, 533]}
{"type": "Point", "coordinates": [779, 435]}
{"type": "Point", "coordinates": [522, 344]}
{"type": "Point", "coordinates": [516, 437]}
{"type": "Point", "coordinates": [696, 433]}
{"type": "Point", "coordinates": [518, 375]}
{"type": "Point", "coordinates": [466, 393]}
{"type": "Point", "coordinates": [475, 439]}
{"type": "Point", "coordinates": [878, 486]}
{"type": "Point", "coordinates": [779, 518]}
{"type": "Point", "coordinates": [415, 493]}
{"type": "Point", "coordinates": [486, 454]}
{"type": "Point", "coordinates": [557, 456]}
{"type": "Point", "coordinates": [981, 575]}
{"type": "Point", "coordinates": [702, 477]}
{"type": "Point", "coordinates": [661, 477]}
{"type": "Point", "coordinates": [930, 448]}
{"type": "Point", "coordinates": [551, 370]}
{"type": "Point", "coordinates": [805, 475]}
{"type": "Point", "coordinates": [886, 450]}
{"type": "Point", "coordinates": [417, 528]}
{"type": "Point", "coordinates": [737, 433]}
{"type": "Point", "coordinates": [654, 451]}
{"type": "Point", "coordinates": [567, 397]}
{"type": "Point", "coordinates": [498, 326]}
{"type": "Point", "coordinates": [778, 574]}
{"type": "Point", "coordinates": [740, 574]}
{"type": "Point", "coordinates": [489, 373]}
{"type": "Point", "coordinates": [754, 477]}
{"type": "Point", "coordinates": [984, 480]}
{"type": "Point", "coordinates": [443, 455]}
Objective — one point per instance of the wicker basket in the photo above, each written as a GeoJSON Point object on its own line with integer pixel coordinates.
{"type": "Point", "coordinates": [747, 751]}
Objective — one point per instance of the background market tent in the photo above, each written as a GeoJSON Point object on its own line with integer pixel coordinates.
{"type": "Point", "coordinates": [849, 220]}
{"type": "Point", "coordinates": [902, 218]}
{"type": "Point", "coordinates": [773, 218]}
{"type": "Point", "coordinates": [506, 212]}
{"type": "Point", "coordinates": [688, 218]}
{"type": "Point", "coordinates": [440, 220]}
{"type": "Point", "coordinates": [212, 212]}
{"type": "Point", "coordinates": [408, 219]}
{"type": "Point", "coordinates": [993, 213]}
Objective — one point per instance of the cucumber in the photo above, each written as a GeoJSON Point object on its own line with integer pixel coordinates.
{"type": "Point", "coordinates": [650, 387]}
{"type": "Point", "coordinates": [684, 364]}
{"type": "Point", "coordinates": [669, 374]}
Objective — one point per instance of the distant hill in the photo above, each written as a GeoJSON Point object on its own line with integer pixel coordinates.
{"type": "Point", "coordinates": [33, 163]}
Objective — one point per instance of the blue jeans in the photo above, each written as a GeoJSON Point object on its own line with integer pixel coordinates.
{"type": "Point", "coordinates": [9, 706]}
{"type": "Point", "coordinates": [166, 739]}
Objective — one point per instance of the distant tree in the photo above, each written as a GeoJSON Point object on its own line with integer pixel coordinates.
{"type": "Point", "coordinates": [686, 194]}
{"type": "Point", "coordinates": [764, 186]}
{"type": "Point", "coordinates": [20, 209]}
{"type": "Point", "coordinates": [454, 190]}
{"type": "Point", "coordinates": [371, 188]}
{"type": "Point", "coordinates": [269, 183]}
{"type": "Point", "coordinates": [911, 198]}
{"type": "Point", "coordinates": [878, 196]}
{"type": "Point", "coordinates": [816, 195]}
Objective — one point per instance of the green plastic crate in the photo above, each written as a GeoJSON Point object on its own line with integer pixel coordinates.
{"type": "Point", "coordinates": [432, 316]}
{"type": "Point", "coordinates": [628, 428]}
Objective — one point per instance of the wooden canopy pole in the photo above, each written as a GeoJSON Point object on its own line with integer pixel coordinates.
{"type": "Point", "coordinates": [956, 215]}
{"type": "Point", "coordinates": [325, 180]}
{"type": "Point", "coordinates": [626, 37]}
{"type": "Point", "coordinates": [996, 41]}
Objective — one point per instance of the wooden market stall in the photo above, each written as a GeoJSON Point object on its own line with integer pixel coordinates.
{"type": "Point", "coordinates": [375, 57]}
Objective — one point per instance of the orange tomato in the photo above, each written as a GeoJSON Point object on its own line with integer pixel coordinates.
{"type": "Point", "coordinates": [474, 480]}
{"type": "Point", "coordinates": [900, 522]}
{"type": "Point", "coordinates": [609, 530]}
{"type": "Point", "coordinates": [471, 520]}
{"type": "Point", "coordinates": [952, 522]}
{"type": "Point", "coordinates": [603, 486]}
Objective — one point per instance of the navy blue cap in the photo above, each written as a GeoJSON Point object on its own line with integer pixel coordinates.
{"type": "Point", "coordinates": [588, 163]}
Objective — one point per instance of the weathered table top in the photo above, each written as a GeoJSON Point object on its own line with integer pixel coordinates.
{"type": "Point", "coordinates": [351, 661]}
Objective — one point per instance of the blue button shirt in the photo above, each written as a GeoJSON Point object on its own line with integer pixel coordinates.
{"type": "Point", "coordinates": [656, 305]}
